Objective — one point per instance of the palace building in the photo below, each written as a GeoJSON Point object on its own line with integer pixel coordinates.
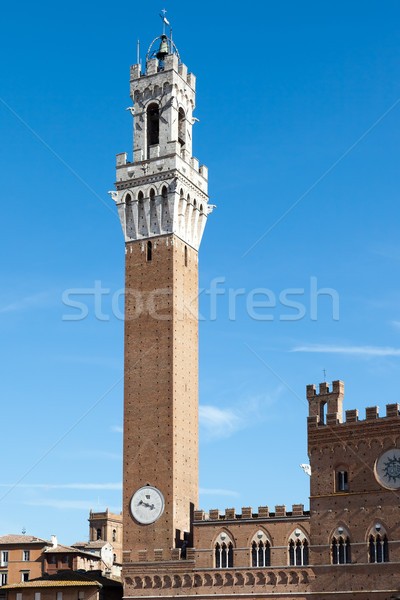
{"type": "Point", "coordinates": [348, 544]}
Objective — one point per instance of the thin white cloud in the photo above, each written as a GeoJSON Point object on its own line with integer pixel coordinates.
{"type": "Point", "coordinates": [67, 504]}
{"type": "Point", "coordinates": [216, 492]}
{"type": "Point", "coordinates": [352, 350]}
{"type": "Point", "coordinates": [117, 429]}
{"type": "Point", "coordinates": [40, 300]}
{"type": "Point", "coordinates": [218, 422]}
{"type": "Point", "coordinates": [67, 486]}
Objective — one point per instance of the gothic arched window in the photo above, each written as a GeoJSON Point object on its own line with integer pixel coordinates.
{"type": "Point", "coordinates": [341, 550]}
{"type": "Point", "coordinates": [181, 126]}
{"type": "Point", "coordinates": [261, 554]}
{"type": "Point", "coordinates": [298, 549]}
{"type": "Point", "coordinates": [223, 552]}
{"type": "Point", "coordinates": [153, 124]}
{"type": "Point", "coordinates": [378, 546]}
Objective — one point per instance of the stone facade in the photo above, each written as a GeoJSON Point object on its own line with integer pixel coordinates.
{"type": "Point", "coordinates": [107, 526]}
{"type": "Point", "coordinates": [348, 542]}
{"type": "Point", "coordinates": [21, 557]}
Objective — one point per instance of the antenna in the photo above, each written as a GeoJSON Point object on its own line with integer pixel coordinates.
{"type": "Point", "coordinates": [138, 54]}
{"type": "Point", "coordinates": [324, 372]}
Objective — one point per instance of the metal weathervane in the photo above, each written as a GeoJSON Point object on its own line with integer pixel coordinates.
{"type": "Point", "coordinates": [164, 20]}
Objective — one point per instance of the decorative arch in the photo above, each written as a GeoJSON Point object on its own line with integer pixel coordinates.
{"type": "Point", "coordinates": [152, 125]}
{"type": "Point", "coordinates": [165, 217]}
{"type": "Point", "coordinates": [298, 546]}
{"type": "Point", "coordinates": [154, 225]}
{"type": "Point", "coordinates": [340, 546]}
{"type": "Point", "coordinates": [223, 550]}
{"type": "Point", "coordinates": [181, 126]}
{"type": "Point", "coordinates": [378, 544]}
{"type": "Point", "coordinates": [260, 545]}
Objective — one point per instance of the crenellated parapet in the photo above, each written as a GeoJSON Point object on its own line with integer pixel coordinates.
{"type": "Point", "coordinates": [247, 513]}
{"type": "Point", "coordinates": [331, 400]}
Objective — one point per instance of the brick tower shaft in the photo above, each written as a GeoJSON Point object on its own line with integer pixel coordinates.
{"type": "Point", "coordinates": [161, 389]}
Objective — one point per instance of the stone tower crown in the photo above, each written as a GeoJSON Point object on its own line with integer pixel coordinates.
{"type": "Point", "coordinates": [332, 399]}
{"type": "Point", "coordinates": [163, 190]}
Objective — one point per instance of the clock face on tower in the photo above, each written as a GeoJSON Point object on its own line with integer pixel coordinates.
{"type": "Point", "coordinates": [387, 469]}
{"type": "Point", "coordinates": [147, 505]}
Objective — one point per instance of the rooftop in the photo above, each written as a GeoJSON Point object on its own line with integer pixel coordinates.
{"type": "Point", "coordinates": [49, 584]}
{"type": "Point", "coordinates": [60, 549]}
{"type": "Point", "coordinates": [22, 539]}
{"type": "Point", "coordinates": [95, 544]}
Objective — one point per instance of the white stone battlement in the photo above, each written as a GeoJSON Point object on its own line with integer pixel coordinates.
{"type": "Point", "coordinates": [164, 189]}
{"type": "Point", "coordinates": [171, 63]}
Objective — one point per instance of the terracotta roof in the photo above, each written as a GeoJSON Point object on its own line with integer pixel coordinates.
{"type": "Point", "coordinates": [96, 544]}
{"type": "Point", "coordinates": [60, 549]}
{"type": "Point", "coordinates": [47, 583]}
{"type": "Point", "coordinates": [22, 539]}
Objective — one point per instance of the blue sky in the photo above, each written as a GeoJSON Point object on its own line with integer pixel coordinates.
{"type": "Point", "coordinates": [290, 96]}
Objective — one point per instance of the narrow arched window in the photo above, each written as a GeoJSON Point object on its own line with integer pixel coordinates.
{"type": "Point", "coordinates": [334, 552]}
{"type": "Point", "coordinates": [149, 251]}
{"type": "Point", "coordinates": [114, 535]}
{"type": "Point", "coordinates": [254, 555]}
{"type": "Point", "coordinates": [114, 558]}
{"type": "Point", "coordinates": [186, 257]}
{"type": "Point", "coordinates": [341, 481]}
{"type": "Point", "coordinates": [153, 124]}
{"type": "Point", "coordinates": [230, 555]}
{"type": "Point", "coordinates": [223, 555]}
{"type": "Point", "coordinates": [291, 553]}
{"type": "Point", "coordinates": [299, 553]}
{"type": "Point", "coordinates": [260, 554]}
{"type": "Point", "coordinates": [298, 549]}
{"type": "Point", "coordinates": [341, 551]}
{"type": "Point", "coordinates": [305, 553]}
{"type": "Point", "coordinates": [98, 533]}
{"type": "Point", "coordinates": [217, 556]}
{"type": "Point", "coordinates": [181, 126]}
{"type": "Point", "coordinates": [378, 549]}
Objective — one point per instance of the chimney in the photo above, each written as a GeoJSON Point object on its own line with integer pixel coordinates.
{"type": "Point", "coordinates": [54, 541]}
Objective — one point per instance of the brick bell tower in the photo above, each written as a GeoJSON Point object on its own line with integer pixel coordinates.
{"type": "Point", "coordinates": [163, 206]}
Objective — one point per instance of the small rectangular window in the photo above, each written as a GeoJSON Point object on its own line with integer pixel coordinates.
{"type": "Point", "coordinates": [19, 596]}
{"type": "Point", "coordinates": [4, 558]}
{"type": "Point", "coordinates": [81, 595]}
{"type": "Point", "coordinates": [59, 595]}
{"type": "Point", "coordinates": [25, 576]}
{"type": "Point", "coordinates": [4, 578]}
{"type": "Point", "coordinates": [37, 595]}
{"type": "Point", "coordinates": [341, 481]}
{"type": "Point", "coordinates": [25, 555]}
